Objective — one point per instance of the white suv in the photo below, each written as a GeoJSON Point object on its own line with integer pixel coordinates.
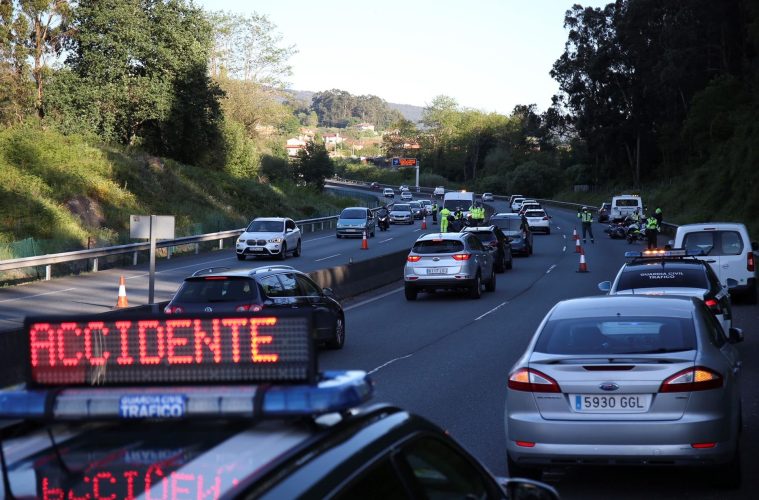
{"type": "Point", "coordinates": [439, 191]}
{"type": "Point", "coordinates": [729, 252]}
{"type": "Point", "coordinates": [269, 236]}
{"type": "Point", "coordinates": [388, 193]}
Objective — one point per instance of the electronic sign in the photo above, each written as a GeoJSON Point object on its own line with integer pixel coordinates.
{"type": "Point", "coordinates": [405, 162]}
{"type": "Point", "coordinates": [178, 349]}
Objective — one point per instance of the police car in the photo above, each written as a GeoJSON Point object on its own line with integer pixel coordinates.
{"type": "Point", "coordinates": [215, 406]}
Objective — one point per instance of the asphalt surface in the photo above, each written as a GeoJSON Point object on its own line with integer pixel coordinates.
{"type": "Point", "coordinates": [445, 356]}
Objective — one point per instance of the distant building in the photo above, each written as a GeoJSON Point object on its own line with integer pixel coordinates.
{"type": "Point", "coordinates": [294, 145]}
{"type": "Point", "coordinates": [264, 130]}
{"type": "Point", "coordinates": [363, 127]}
{"type": "Point", "coordinates": [333, 138]}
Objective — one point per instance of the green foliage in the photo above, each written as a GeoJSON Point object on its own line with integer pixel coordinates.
{"type": "Point", "coordinates": [240, 156]}
{"type": "Point", "coordinates": [534, 178]}
{"type": "Point", "coordinates": [338, 108]}
{"type": "Point", "coordinates": [314, 165]}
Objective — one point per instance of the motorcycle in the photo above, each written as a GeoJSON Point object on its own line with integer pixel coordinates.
{"type": "Point", "coordinates": [635, 232]}
{"type": "Point", "coordinates": [617, 230]}
{"type": "Point", "coordinates": [383, 222]}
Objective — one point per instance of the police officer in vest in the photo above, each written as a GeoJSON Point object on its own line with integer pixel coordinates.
{"type": "Point", "coordinates": [652, 230]}
{"type": "Point", "coordinates": [586, 217]}
{"type": "Point", "coordinates": [444, 214]}
{"type": "Point", "coordinates": [434, 212]}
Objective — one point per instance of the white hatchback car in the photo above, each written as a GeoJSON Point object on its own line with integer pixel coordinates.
{"type": "Point", "coordinates": [538, 220]}
{"type": "Point", "coordinates": [388, 193]}
{"type": "Point", "coordinates": [272, 236]}
{"type": "Point", "coordinates": [487, 197]}
{"type": "Point", "coordinates": [406, 196]}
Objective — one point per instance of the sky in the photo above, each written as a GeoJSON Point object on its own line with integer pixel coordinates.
{"type": "Point", "coordinates": [486, 54]}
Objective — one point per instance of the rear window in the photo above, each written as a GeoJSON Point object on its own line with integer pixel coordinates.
{"type": "Point", "coordinates": [534, 213]}
{"type": "Point", "coordinates": [614, 335]}
{"type": "Point", "coordinates": [438, 246]}
{"type": "Point", "coordinates": [661, 277]}
{"type": "Point", "coordinates": [715, 242]}
{"type": "Point", "coordinates": [202, 290]}
{"type": "Point", "coordinates": [485, 236]}
{"type": "Point", "coordinates": [508, 225]}
{"type": "Point", "coordinates": [626, 202]}
{"type": "Point", "coordinates": [266, 226]}
{"type": "Point", "coordinates": [353, 213]}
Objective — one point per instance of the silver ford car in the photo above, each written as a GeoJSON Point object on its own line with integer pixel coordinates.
{"type": "Point", "coordinates": [626, 380]}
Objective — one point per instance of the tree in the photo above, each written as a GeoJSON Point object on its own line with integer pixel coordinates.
{"type": "Point", "coordinates": [16, 90]}
{"type": "Point", "coordinates": [314, 165]}
{"type": "Point", "coordinates": [401, 139]}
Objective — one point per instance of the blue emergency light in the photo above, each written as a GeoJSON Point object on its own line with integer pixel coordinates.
{"type": "Point", "coordinates": [658, 254]}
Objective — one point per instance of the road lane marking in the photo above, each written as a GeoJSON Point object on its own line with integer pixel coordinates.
{"type": "Point", "coordinates": [385, 241]}
{"type": "Point", "coordinates": [551, 268]}
{"type": "Point", "coordinates": [319, 238]}
{"type": "Point", "coordinates": [369, 301]}
{"type": "Point", "coordinates": [371, 372]}
{"type": "Point", "coordinates": [417, 230]}
{"type": "Point", "coordinates": [38, 295]}
{"type": "Point", "coordinates": [325, 258]}
{"type": "Point", "coordinates": [491, 311]}
{"type": "Point", "coordinates": [564, 248]}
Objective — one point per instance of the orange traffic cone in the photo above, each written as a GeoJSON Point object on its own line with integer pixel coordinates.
{"type": "Point", "coordinates": [578, 248]}
{"type": "Point", "coordinates": [122, 300]}
{"type": "Point", "coordinates": [575, 236]}
{"type": "Point", "coordinates": [364, 242]}
{"type": "Point", "coordinates": [424, 223]}
{"type": "Point", "coordinates": [583, 266]}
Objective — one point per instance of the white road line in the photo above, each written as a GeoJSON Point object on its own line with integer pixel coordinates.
{"type": "Point", "coordinates": [371, 372]}
{"type": "Point", "coordinates": [492, 310]}
{"type": "Point", "coordinates": [37, 295]}
{"type": "Point", "coordinates": [319, 238]}
{"type": "Point", "coordinates": [417, 230]}
{"type": "Point", "coordinates": [551, 268]}
{"type": "Point", "coordinates": [369, 301]}
{"type": "Point", "coordinates": [385, 241]}
{"type": "Point", "coordinates": [564, 248]}
{"type": "Point", "coordinates": [325, 258]}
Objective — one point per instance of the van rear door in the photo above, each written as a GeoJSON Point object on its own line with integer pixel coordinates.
{"type": "Point", "coordinates": [724, 247]}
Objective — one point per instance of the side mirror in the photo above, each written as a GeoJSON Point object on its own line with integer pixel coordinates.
{"type": "Point", "coordinates": [605, 286]}
{"type": "Point", "coordinates": [328, 292]}
{"type": "Point", "coordinates": [735, 335]}
{"type": "Point", "coordinates": [289, 230]}
{"type": "Point", "coordinates": [527, 489]}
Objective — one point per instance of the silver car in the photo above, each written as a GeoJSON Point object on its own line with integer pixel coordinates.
{"type": "Point", "coordinates": [448, 261]}
{"type": "Point", "coordinates": [627, 380]}
{"type": "Point", "coordinates": [400, 213]}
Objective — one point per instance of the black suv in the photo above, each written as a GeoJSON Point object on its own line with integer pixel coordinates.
{"type": "Point", "coordinates": [494, 239]}
{"type": "Point", "coordinates": [262, 288]}
{"type": "Point", "coordinates": [672, 272]}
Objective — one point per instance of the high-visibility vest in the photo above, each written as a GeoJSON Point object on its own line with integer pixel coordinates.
{"type": "Point", "coordinates": [652, 223]}
{"type": "Point", "coordinates": [445, 212]}
{"type": "Point", "coordinates": [586, 216]}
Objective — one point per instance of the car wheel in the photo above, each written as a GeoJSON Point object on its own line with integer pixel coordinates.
{"type": "Point", "coordinates": [240, 256]}
{"type": "Point", "coordinates": [339, 340]}
{"type": "Point", "coordinates": [476, 291]}
{"type": "Point", "coordinates": [338, 236]}
{"type": "Point", "coordinates": [410, 293]}
{"type": "Point", "coordinates": [296, 253]}
{"type": "Point", "coordinates": [283, 253]}
{"type": "Point", "coordinates": [516, 470]}
{"type": "Point", "coordinates": [490, 286]}
{"type": "Point", "coordinates": [729, 475]}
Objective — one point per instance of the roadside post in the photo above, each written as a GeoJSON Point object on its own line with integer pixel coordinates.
{"type": "Point", "coordinates": [151, 227]}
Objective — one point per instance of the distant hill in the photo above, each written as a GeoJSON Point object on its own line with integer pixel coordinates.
{"type": "Point", "coordinates": [409, 111]}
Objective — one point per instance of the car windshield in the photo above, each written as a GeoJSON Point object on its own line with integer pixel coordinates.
{"type": "Point", "coordinates": [438, 246]}
{"type": "Point", "coordinates": [415, 204]}
{"type": "Point", "coordinates": [617, 335]}
{"type": "Point", "coordinates": [454, 205]}
{"type": "Point", "coordinates": [661, 277]}
{"type": "Point", "coordinates": [217, 289]}
{"type": "Point", "coordinates": [353, 213]}
{"type": "Point", "coordinates": [401, 208]}
{"type": "Point", "coordinates": [266, 226]}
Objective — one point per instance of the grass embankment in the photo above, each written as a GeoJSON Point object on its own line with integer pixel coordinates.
{"type": "Point", "coordinates": [64, 191]}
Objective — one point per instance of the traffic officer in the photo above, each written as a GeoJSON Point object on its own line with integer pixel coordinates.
{"type": "Point", "coordinates": [444, 214]}
{"type": "Point", "coordinates": [434, 212]}
{"type": "Point", "coordinates": [587, 227]}
{"type": "Point", "coordinates": [652, 229]}
{"type": "Point", "coordinates": [659, 216]}
{"type": "Point", "coordinates": [480, 218]}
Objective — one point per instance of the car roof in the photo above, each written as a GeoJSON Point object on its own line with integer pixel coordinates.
{"type": "Point", "coordinates": [704, 226]}
{"type": "Point", "coordinates": [668, 263]}
{"type": "Point", "coordinates": [480, 229]}
{"type": "Point", "coordinates": [441, 236]}
{"type": "Point", "coordinates": [274, 219]}
{"type": "Point", "coordinates": [624, 305]}
{"type": "Point", "coordinates": [242, 272]}
{"type": "Point", "coordinates": [504, 215]}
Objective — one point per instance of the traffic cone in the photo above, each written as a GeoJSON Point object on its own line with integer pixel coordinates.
{"type": "Point", "coordinates": [574, 234]}
{"type": "Point", "coordinates": [364, 242]}
{"type": "Point", "coordinates": [583, 266]}
{"type": "Point", "coordinates": [122, 299]}
{"type": "Point", "coordinates": [578, 248]}
{"type": "Point", "coordinates": [424, 223]}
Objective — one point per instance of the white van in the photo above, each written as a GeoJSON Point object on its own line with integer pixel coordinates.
{"type": "Point", "coordinates": [623, 205]}
{"type": "Point", "coordinates": [458, 199]}
{"type": "Point", "coordinates": [729, 252]}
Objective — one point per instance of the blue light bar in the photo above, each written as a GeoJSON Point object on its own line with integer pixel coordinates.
{"type": "Point", "coordinates": [337, 391]}
{"type": "Point", "coordinates": [658, 254]}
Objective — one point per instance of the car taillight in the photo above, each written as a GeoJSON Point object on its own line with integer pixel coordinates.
{"type": "Point", "coordinates": [461, 256]}
{"type": "Point", "coordinates": [173, 310]}
{"type": "Point", "coordinates": [414, 258]}
{"type": "Point", "coordinates": [697, 378]}
{"type": "Point", "coordinates": [545, 218]}
{"type": "Point", "coordinates": [712, 304]}
{"type": "Point", "coordinates": [750, 262]}
{"type": "Point", "coordinates": [248, 307]}
{"type": "Point", "coordinates": [526, 379]}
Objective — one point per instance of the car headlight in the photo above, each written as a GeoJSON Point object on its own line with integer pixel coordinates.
{"type": "Point", "coordinates": [275, 240]}
{"type": "Point", "coordinates": [239, 240]}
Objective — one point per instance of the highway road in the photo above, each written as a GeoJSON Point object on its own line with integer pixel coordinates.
{"type": "Point", "coordinates": [445, 356]}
